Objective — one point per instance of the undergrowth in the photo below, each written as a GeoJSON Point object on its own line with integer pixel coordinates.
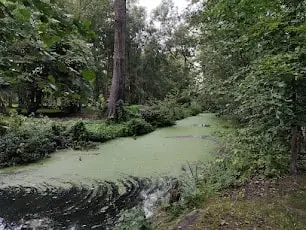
{"type": "Point", "coordinates": [238, 160]}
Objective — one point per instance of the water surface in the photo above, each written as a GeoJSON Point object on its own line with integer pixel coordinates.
{"type": "Point", "coordinates": [89, 189]}
{"type": "Point", "coordinates": [162, 152]}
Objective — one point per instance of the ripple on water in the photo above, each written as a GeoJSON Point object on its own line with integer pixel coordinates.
{"type": "Point", "coordinates": [76, 207]}
{"type": "Point", "coordinates": [34, 196]}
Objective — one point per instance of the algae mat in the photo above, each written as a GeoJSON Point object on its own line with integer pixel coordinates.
{"type": "Point", "coordinates": [161, 153]}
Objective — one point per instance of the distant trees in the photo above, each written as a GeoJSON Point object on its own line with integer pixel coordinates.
{"type": "Point", "coordinates": [60, 53]}
{"type": "Point", "coordinates": [154, 61]}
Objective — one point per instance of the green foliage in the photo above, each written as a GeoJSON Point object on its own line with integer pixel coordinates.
{"type": "Point", "coordinates": [35, 139]}
{"type": "Point", "coordinates": [253, 65]}
{"type": "Point", "coordinates": [3, 128]}
{"type": "Point", "coordinates": [164, 113]}
{"type": "Point", "coordinates": [25, 146]}
{"type": "Point", "coordinates": [137, 127]}
{"type": "Point", "coordinates": [175, 210]}
{"type": "Point", "coordinates": [11, 123]}
{"type": "Point", "coordinates": [195, 108]}
{"type": "Point", "coordinates": [80, 136]}
{"type": "Point", "coordinates": [157, 118]}
{"type": "Point", "coordinates": [79, 132]}
{"type": "Point", "coordinates": [132, 111]}
{"type": "Point", "coordinates": [100, 131]}
{"type": "Point", "coordinates": [43, 52]}
{"type": "Point", "coordinates": [102, 106]}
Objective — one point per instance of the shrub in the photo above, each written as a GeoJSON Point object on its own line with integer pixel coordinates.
{"type": "Point", "coordinates": [80, 137]}
{"type": "Point", "coordinates": [79, 132]}
{"type": "Point", "coordinates": [157, 118]}
{"type": "Point", "coordinates": [61, 136]}
{"type": "Point", "coordinates": [25, 146]}
{"type": "Point", "coordinates": [195, 108]}
{"type": "Point", "coordinates": [101, 132]}
{"type": "Point", "coordinates": [37, 139]}
{"type": "Point", "coordinates": [132, 111]}
{"type": "Point", "coordinates": [138, 127]}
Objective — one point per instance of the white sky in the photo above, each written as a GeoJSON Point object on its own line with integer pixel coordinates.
{"type": "Point", "coordinates": [151, 4]}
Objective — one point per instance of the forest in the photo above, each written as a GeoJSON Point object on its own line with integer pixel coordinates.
{"type": "Point", "coordinates": [78, 73]}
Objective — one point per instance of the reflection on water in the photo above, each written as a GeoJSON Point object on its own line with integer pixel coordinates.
{"type": "Point", "coordinates": [33, 197]}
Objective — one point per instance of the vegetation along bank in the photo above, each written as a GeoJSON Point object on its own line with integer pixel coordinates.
{"type": "Point", "coordinates": [126, 72]}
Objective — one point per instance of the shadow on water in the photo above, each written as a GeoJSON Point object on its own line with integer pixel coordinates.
{"type": "Point", "coordinates": [72, 207]}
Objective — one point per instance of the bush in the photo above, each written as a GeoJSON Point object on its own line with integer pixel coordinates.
{"type": "Point", "coordinates": [157, 118]}
{"type": "Point", "coordinates": [132, 111]}
{"type": "Point", "coordinates": [37, 139]}
{"type": "Point", "coordinates": [195, 108]}
{"type": "Point", "coordinates": [25, 146]}
{"type": "Point", "coordinates": [80, 137]}
{"type": "Point", "coordinates": [61, 136]}
{"type": "Point", "coordinates": [79, 132]}
{"type": "Point", "coordinates": [101, 132]}
{"type": "Point", "coordinates": [138, 127]}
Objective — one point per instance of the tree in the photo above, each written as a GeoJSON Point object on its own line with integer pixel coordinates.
{"type": "Point", "coordinates": [100, 14]}
{"type": "Point", "coordinates": [118, 81]}
{"type": "Point", "coordinates": [44, 53]}
{"type": "Point", "coordinates": [254, 52]}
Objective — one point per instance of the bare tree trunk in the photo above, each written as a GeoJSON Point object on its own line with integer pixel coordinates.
{"type": "Point", "coordinates": [118, 81]}
{"type": "Point", "coordinates": [294, 150]}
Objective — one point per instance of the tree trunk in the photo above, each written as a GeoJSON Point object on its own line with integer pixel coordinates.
{"type": "Point", "coordinates": [118, 80]}
{"type": "Point", "coordinates": [2, 106]}
{"type": "Point", "coordinates": [294, 150]}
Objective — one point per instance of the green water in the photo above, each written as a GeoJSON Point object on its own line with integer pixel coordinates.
{"type": "Point", "coordinates": [160, 153]}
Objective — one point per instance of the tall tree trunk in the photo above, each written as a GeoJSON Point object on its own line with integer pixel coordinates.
{"type": "Point", "coordinates": [294, 150]}
{"type": "Point", "coordinates": [118, 80]}
{"type": "Point", "coordinates": [294, 132]}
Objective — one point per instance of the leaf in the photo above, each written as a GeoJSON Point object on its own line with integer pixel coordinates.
{"type": "Point", "coordinates": [51, 79]}
{"type": "Point", "coordinates": [87, 24]}
{"type": "Point", "coordinates": [89, 75]}
{"type": "Point", "coordinates": [50, 40]}
{"type": "Point", "coordinates": [22, 14]}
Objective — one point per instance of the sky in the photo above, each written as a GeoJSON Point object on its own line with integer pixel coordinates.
{"type": "Point", "coordinates": [151, 4]}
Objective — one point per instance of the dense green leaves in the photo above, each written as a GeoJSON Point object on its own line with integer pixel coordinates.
{"type": "Point", "coordinates": [253, 62]}
{"type": "Point", "coordinates": [39, 40]}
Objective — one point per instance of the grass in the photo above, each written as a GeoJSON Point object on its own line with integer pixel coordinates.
{"type": "Point", "coordinates": [249, 214]}
{"type": "Point", "coordinates": [271, 204]}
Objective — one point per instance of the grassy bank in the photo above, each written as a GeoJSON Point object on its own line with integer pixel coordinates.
{"type": "Point", "coordinates": [238, 191]}
{"type": "Point", "coordinates": [259, 204]}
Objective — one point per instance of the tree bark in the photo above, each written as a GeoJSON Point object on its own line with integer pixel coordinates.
{"type": "Point", "coordinates": [294, 150]}
{"type": "Point", "coordinates": [118, 80]}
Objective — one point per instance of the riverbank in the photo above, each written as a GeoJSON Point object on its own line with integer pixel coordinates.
{"type": "Point", "coordinates": [116, 176]}
{"type": "Point", "coordinates": [229, 195]}
{"type": "Point", "coordinates": [164, 152]}
{"type": "Point", "coordinates": [259, 204]}
{"type": "Point", "coordinates": [27, 140]}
